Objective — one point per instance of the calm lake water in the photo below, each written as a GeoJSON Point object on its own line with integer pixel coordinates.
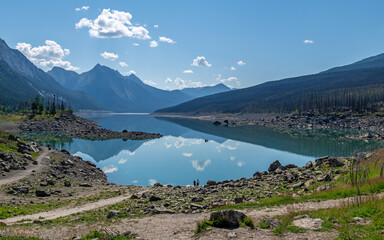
{"type": "Point", "coordinates": [183, 154]}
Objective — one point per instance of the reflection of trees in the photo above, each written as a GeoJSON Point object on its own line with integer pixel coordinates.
{"type": "Point", "coordinates": [316, 143]}
{"type": "Point", "coordinates": [53, 138]}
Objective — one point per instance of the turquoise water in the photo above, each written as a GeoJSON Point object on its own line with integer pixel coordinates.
{"type": "Point", "coordinates": [193, 149]}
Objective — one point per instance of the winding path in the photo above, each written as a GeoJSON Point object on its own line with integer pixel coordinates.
{"type": "Point", "coordinates": [63, 212]}
{"type": "Point", "coordinates": [20, 174]}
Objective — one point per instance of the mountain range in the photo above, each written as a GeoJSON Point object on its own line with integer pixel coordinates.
{"type": "Point", "coordinates": [354, 86]}
{"type": "Point", "coordinates": [127, 93]}
{"type": "Point", "coordinates": [21, 80]}
{"type": "Point", "coordinates": [101, 88]}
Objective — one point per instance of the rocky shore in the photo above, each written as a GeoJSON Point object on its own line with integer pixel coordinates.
{"type": "Point", "coordinates": [74, 126]}
{"type": "Point", "coordinates": [372, 122]}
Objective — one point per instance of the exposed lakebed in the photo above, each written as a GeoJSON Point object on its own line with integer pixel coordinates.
{"type": "Point", "coordinates": [193, 149]}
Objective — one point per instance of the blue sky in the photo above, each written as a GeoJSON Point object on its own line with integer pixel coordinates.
{"type": "Point", "coordinates": [268, 36]}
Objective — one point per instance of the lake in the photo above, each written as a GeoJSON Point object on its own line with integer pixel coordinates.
{"type": "Point", "coordinates": [193, 149]}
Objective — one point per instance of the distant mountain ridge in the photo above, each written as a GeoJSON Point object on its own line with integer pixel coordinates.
{"type": "Point", "coordinates": [17, 70]}
{"type": "Point", "coordinates": [127, 93]}
{"type": "Point", "coordinates": [352, 86]}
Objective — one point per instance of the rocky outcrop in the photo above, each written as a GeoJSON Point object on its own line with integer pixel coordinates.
{"type": "Point", "coordinates": [19, 156]}
{"type": "Point", "coordinates": [74, 126]}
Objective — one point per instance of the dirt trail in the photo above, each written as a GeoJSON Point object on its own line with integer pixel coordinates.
{"type": "Point", "coordinates": [20, 174]}
{"type": "Point", "coordinates": [63, 212]}
{"type": "Point", "coordinates": [182, 226]}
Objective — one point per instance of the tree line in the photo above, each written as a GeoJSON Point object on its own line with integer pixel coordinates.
{"type": "Point", "coordinates": [40, 106]}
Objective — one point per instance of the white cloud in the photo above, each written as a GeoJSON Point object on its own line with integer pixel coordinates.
{"type": "Point", "coordinates": [130, 72]}
{"type": "Point", "coordinates": [232, 158]}
{"type": "Point", "coordinates": [188, 71]}
{"type": "Point", "coordinates": [240, 164]}
{"type": "Point", "coordinates": [196, 84]}
{"type": "Point", "coordinates": [167, 40]}
{"type": "Point", "coordinates": [230, 79]}
{"type": "Point", "coordinates": [233, 69]}
{"type": "Point", "coordinates": [152, 181]}
{"type": "Point", "coordinates": [49, 55]}
{"type": "Point", "coordinates": [123, 64]}
{"type": "Point", "coordinates": [241, 63]}
{"type": "Point", "coordinates": [187, 154]}
{"type": "Point", "coordinates": [201, 61]}
{"type": "Point", "coordinates": [200, 165]}
{"type": "Point", "coordinates": [149, 82]}
{"type": "Point", "coordinates": [180, 82]}
{"type": "Point", "coordinates": [135, 181]}
{"type": "Point", "coordinates": [135, 44]}
{"type": "Point", "coordinates": [308, 41]}
{"type": "Point", "coordinates": [110, 169]}
{"type": "Point", "coordinates": [113, 24]}
{"type": "Point", "coordinates": [131, 153]}
{"type": "Point", "coordinates": [109, 56]}
{"type": "Point", "coordinates": [122, 161]}
{"type": "Point", "coordinates": [85, 8]}
{"type": "Point", "coordinates": [156, 26]}
{"type": "Point", "coordinates": [153, 44]}
{"type": "Point", "coordinates": [168, 80]}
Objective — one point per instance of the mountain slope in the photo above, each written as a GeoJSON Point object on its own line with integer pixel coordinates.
{"type": "Point", "coordinates": [14, 87]}
{"type": "Point", "coordinates": [343, 89]}
{"type": "Point", "coordinates": [371, 62]}
{"type": "Point", "coordinates": [205, 91]}
{"type": "Point", "coordinates": [126, 93]}
{"type": "Point", "coordinates": [38, 80]}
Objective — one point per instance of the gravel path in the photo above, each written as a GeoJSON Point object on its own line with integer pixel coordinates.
{"type": "Point", "coordinates": [63, 212]}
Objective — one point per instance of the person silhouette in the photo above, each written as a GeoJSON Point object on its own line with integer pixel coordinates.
{"type": "Point", "coordinates": [194, 183]}
{"type": "Point", "coordinates": [197, 183]}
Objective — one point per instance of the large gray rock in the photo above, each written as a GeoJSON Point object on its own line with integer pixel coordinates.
{"type": "Point", "coordinates": [324, 177]}
{"type": "Point", "coordinates": [275, 165]}
{"type": "Point", "coordinates": [112, 213]}
{"type": "Point", "coordinates": [41, 193]}
{"type": "Point", "coordinates": [227, 218]}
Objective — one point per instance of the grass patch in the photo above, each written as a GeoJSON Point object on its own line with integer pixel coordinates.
{"type": "Point", "coordinates": [103, 236]}
{"type": "Point", "coordinates": [203, 226]}
{"type": "Point", "coordinates": [247, 222]}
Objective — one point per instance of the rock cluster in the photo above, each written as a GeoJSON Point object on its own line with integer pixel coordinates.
{"type": "Point", "coordinates": [19, 156]}
{"type": "Point", "coordinates": [308, 120]}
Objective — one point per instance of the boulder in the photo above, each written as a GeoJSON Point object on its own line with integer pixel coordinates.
{"type": "Point", "coordinates": [134, 196]}
{"type": "Point", "coordinates": [227, 218]}
{"type": "Point", "coordinates": [67, 183]}
{"type": "Point", "coordinates": [239, 200]}
{"type": "Point", "coordinates": [112, 213]}
{"type": "Point", "coordinates": [297, 185]}
{"type": "Point", "coordinates": [154, 198]}
{"type": "Point", "coordinates": [157, 185]}
{"type": "Point", "coordinates": [194, 206]}
{"type": "Point", "coordinates": [211, 183]}
{"type": "Point", "coordinates": [42, 193]}
{"type": "Point", "coordinates": [290, 166]}
{"type": "Point", "coordinates": [324, 177]}
{"type": "Point", "coordinates": [309, 164]}
{"type": "Point", "coordinates": [43, 183]}
{"type": "Point", "coordinates": [275, 165]}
